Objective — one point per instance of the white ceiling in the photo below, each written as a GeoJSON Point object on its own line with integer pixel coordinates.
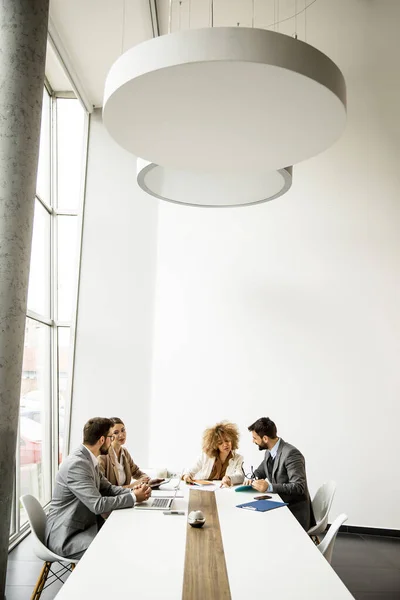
{"type": "Point", "coordinates": [91, 34]}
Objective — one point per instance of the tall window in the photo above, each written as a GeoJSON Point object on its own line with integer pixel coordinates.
{"type": "Point", "coordinates": [49, 339]}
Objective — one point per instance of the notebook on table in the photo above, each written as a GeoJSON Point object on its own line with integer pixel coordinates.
{"type": "Point", "coordinates": [261, 505]}
{"type": "Point", "coordinates": [201, 482]}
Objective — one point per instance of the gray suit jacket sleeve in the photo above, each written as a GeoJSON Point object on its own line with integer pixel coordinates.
{"type": "Point", "coordinates": [82, 484]}
{"type": "Point", "coordinates": [296, 473]}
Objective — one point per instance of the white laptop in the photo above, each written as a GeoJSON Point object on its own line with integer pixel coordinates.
{"type": "Point", "coordinates": [159, 503]}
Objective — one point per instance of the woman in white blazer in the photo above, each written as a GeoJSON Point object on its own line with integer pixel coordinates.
{"type": "Point", "coordinates": [219, 460]}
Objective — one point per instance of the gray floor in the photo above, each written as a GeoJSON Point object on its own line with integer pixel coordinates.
{"type": "Point", "coordinates": [23, 570]}
{"type": "Point", "coordinates": [368, 565]}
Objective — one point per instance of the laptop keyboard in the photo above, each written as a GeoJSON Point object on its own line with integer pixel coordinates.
{"type": "Point", "coordinates": [160, 502]}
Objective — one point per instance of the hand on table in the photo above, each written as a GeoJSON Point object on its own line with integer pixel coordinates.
{"type": "Point", "coordinates": [188, 478]}
{"type": "Point", "coordinates": [142, 492]}
{"type": "Point", "coordinates": [226, 481]}
{"type": "Point", "coordinates": [261, 485]}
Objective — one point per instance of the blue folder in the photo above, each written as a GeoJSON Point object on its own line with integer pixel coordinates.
{"type": "Point", "coordinates": [261, 505]}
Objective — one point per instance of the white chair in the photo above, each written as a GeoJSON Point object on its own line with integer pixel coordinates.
{"type": "Point", "coordinates": [37, 521]}
{"type": "Point", "coordinates": [321, 504]}
{"type": "Point", "coordinates": [326, 546]}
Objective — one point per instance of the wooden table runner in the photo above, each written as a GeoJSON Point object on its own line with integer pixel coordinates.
{"type": "Point", "coordinates": [205, 576]}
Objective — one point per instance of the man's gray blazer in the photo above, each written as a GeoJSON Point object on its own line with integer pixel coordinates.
{"type": "Point", "coordinates": [80, 493]}
{"type": "Point", "coordinates": [289, 481]}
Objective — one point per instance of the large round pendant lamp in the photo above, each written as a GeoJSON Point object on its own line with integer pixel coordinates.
{"type": "Point", "coordinates": [225, 99]}
{"type": "Point", "coordinates": [212, 189]}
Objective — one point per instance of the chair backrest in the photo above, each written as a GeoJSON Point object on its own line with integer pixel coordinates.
{"type": "Point", "coordinates": [36, 516]}
{"type": "Point", "coordinates": [37, 521]}
{"type": "Point", "coordinates": [322, 503]}
{"type": "Point", "coordinates": [326, 546]}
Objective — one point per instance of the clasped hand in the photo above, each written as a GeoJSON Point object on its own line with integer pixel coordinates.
{"type": "Point", "coordinates": [142, 492]}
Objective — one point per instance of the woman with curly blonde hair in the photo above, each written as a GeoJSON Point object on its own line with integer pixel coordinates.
{"type": "Point", "coordinates": [219, 459]}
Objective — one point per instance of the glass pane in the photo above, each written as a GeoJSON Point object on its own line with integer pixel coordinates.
{"type": "Point", "coordinates": [43, 175]}
{"type": "Point", "coordinates": [35, 446]}
{"type": "Point", "coordinates": [63, 377]}
{"type": "Point", "coordinates": [67, 229]}
{"type": "Point", "coordinates": [70, 137]}
{"type": "Point", "coordinates": [39, 276]}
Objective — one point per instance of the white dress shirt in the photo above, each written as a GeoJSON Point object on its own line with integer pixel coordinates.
{"type": "Point", "coordinates": [120, 466]}
{"type": "Point", "coordinates": [273, 452]}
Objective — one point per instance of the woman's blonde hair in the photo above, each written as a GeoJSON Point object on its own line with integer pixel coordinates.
{"type": "Point", "coordinates": [214, 436]}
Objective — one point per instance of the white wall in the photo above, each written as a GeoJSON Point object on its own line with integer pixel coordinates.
{"type": "Point", "coordinates": [291, 309]}
{"type": "Point", "coordinates": [116, 300]}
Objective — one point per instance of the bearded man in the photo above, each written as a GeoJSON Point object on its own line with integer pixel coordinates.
{"type": "Point", "coordinates": [82, 494]}
{"type": "Point", "coordinates": [283, 471]}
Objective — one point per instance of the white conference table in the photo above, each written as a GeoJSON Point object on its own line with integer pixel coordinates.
{"type": "Point", "coordinates": [142, 554]}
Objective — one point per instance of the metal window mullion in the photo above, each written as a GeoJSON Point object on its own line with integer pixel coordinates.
{"type": "Point", "coordinates": [47, 431]}
{"type": "Point", "coordinates": [17, 483]}
{"type": "Point", "coordinates": [62, 323]}
{"type": "Point", "coordinates": [74, 316]}
{"type": "Point", "coordinates": [53, 175]}
{"type": "Point", "coordinates": [54, 299]}
{"type": "Point", "coordinates": [54, 269]}
{"type": "Point", "coordinates": [66, 212]}
{"type": "Point", "coordinates": [14, 503]}
{"type": "Point", "coordinates": [54, 408]}
{"type": "Point", "coordinates": [18, 537]}
{"type": "Point", "coordinates": [54, 153]}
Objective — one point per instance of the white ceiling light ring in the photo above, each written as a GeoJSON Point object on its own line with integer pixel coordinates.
{"type": "Point", "coordinates": [203, 186]}
{"type": "Point", "coordinates": [281, 101]}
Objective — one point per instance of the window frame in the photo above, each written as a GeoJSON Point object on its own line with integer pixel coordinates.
{"type": "Point", "coordinates": [54, 324]}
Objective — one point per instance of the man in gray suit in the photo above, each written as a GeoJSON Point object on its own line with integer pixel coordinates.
{"type": "Point", "coordinates": [81, 494]}
{"type": "Point", "coordinates": [282, 471]}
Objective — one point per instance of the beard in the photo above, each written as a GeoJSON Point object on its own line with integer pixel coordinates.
{"type": "Point", "coordinates": [103, 450]}
{"type": "Point", "coordinates": [262, 446]}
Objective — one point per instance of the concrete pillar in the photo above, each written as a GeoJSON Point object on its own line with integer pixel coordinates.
{"type": "Point", "coordinates": [23, 32]}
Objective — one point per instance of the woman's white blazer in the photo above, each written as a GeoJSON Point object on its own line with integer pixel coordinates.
{"type": "Point", "coordinates": [202, 468]}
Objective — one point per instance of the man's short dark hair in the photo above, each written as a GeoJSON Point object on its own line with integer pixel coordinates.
{"type": "Point", "coordinates": [95, 428]}
{"type": "Point", "coordinates": [264, 426]}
